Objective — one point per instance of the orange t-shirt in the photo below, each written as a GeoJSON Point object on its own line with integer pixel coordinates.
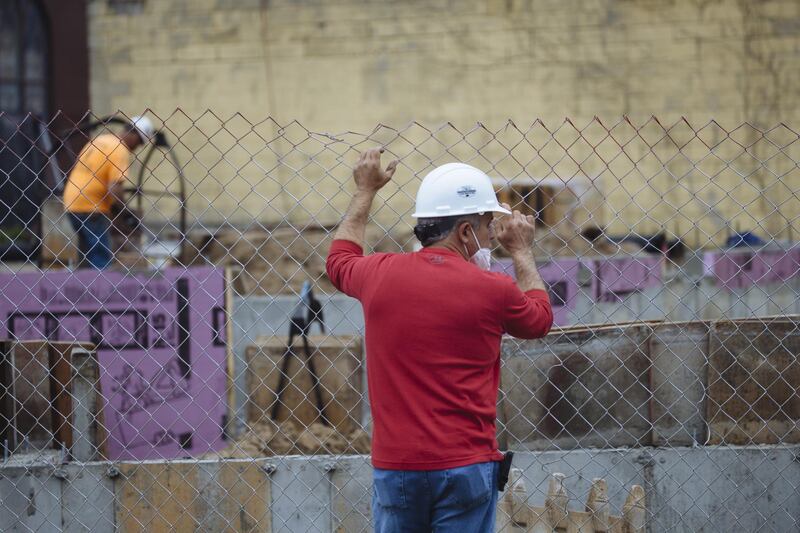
{"type": "Point", "coordinates": [102, 162]}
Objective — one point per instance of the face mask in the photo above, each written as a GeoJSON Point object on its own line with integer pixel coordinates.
{"type": "Point", "coordinates": [483, 257]}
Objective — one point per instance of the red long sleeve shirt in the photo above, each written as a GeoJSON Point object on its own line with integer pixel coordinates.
{"type": "Point", "coordinates": [433, 327]}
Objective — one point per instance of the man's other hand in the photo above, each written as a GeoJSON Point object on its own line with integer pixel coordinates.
{"type": "Point", "coordinates": [368, 175]}
{"type": "Point", "coordinates": [515, 232]}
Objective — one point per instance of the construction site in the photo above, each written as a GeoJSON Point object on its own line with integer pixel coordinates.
{"type": "Point", "coordinates": [207, 375]}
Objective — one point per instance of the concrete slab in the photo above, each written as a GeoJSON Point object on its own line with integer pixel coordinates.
{"type": "Point", "coordinates": [711, 489]}
{"type": "Point", "coordinates": [30, 499]}
{"type": "Point", "coordinates": [678, 381]}
{"type": "Point", "coordinates": [752, 382]}
{"type": "Point", "coordinates": [87, 495]}
{"type": "Point", "coordinates": [351, 495]}
{"type": "Point", "coordinates": [301, 494]}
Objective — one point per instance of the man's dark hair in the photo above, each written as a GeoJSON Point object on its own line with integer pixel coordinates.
{"type": "Point", "coordinates": [432, 230]}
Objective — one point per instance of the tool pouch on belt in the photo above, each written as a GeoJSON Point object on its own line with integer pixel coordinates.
{"type": "Point", "coordinates": [504, 471]}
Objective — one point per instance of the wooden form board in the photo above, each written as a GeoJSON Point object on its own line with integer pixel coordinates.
{"type": "Point", "coordinates": [654, 383]}
{"type": "Point", "coordinates": [27, 404]}
{"type": "Point", "coordinates": [36, 395]}
{"type": "Point", "coordinates": [754, 382]}
{"type": "Point", "coordinates": [193, 496]}
{"type": "Point", "coordinates": [338, 364]}
{"type": "Point", "coordinates": [577, 389]}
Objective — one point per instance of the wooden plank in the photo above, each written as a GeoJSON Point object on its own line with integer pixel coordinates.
{"type": "Point", "coordinates": [60, 356]}
{"type": "Point", "coordinates": [634, 512]}
{"type": "Point", "coordinates": [597, 505]}
{"type": "Point", "coordinates": [6, 397]}
{"type": "Point", "coordinates": [31, 395]}
{"type": "Point", "coordinates": [246, 490]}
{"type": "Point", "coordinates": [156, 497]}
{"type": "Point", "coordinates": [556, 503]}
{"type": "Point", "coordinates": [194, 496]}
{"type": "Point", "coordinates": [230, 359]}
{"type": "Point", "coordinates": [338, 365]}
{"type": "Point", "coordinates": [754, 382]}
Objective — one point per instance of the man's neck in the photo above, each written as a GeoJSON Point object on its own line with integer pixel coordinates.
{"type": "Point", "coordinates": [448, 245]}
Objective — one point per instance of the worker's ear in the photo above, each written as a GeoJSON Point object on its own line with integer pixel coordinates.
{"type": "Point", "coordinates": [464, 234]}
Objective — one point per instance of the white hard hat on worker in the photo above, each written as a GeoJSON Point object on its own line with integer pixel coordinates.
{"type": "Point", "coordinates": [456, 189]}
{"type": "Point", "coordinates": [144, 127]}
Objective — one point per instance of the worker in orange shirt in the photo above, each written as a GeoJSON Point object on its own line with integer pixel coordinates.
{"type": "Point", "coordinates": [96, 183]}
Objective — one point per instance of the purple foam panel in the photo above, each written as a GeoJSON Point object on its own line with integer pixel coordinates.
{"type": "Point", "coordinates": [160, 341]}
{"type": "Point", "coordinates": [561, 277]}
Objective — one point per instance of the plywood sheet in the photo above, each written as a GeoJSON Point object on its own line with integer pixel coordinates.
{"type": "Point", "coordinates": [194, 496]}
{"type": "Point", "coordinates": [233, 496]}
{"type": "Point", "coordinates": [31, 395]}
{"type": "Point", "coordinates": [754, 382]}
{"type": "Point", "coordinates": [156, 497]}
{"type": "Point", "coordinates": [338, 365]}
{"type": "Point", "coordinates": [579, 388]}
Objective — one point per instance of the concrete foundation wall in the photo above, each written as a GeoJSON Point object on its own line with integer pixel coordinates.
{"type": "Point", "coordinates": [687, 489]}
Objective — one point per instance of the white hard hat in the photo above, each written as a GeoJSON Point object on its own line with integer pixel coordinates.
{"type": "Point", "coordinates": [456, 189]}
{"type": "Point", "coordinates": [144, 127]}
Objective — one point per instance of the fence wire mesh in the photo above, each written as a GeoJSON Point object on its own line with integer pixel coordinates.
{"type": "Point", "coordinates": [211, 378]}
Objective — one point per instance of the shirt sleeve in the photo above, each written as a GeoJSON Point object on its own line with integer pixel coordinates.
{"type": "Point", "coordinates": [527, 315]}
{"type": "Point", "coordinates": [347, 267]}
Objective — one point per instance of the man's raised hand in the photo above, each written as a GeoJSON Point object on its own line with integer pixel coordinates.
{"type": "Point", "coordinates": [368, 174]}
{"type": "Point", "coordinates": [515, 232]}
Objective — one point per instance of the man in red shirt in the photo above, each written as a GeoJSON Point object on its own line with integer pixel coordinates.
{"type": "Point", "coordinates": [434, 321]}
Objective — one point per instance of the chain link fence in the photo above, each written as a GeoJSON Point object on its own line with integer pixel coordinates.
{"type": "Point", "coordinates": [212, 379]}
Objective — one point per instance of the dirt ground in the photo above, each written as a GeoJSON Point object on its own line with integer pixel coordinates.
{"type": "Point", "coordinates": [266, 439]}
{"type": "Point", "coordinates": [279, 261]}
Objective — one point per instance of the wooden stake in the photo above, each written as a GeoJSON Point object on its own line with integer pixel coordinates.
{"type": "Point", "coordinates": [597, 504]}
{"type": "Point", "coordinates": [634, 512]}
{"type": "Point", "coordinates": [557, 502]}
{"type": "Point", "coordinates": [517, 499]}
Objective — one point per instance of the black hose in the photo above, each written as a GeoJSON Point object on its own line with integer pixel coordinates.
{"type": "Point", "coordinates": [89, 126]}
{"type": "Point", "coordinates": [140, 177]}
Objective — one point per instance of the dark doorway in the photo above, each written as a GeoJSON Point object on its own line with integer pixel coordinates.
{"type": "Point", "coordinates": [24, 58]}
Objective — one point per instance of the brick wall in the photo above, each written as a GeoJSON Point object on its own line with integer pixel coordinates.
{"type": "Point", "coordinates": [348, 65]}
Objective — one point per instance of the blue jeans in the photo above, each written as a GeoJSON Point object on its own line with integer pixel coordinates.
{"type": "Point", "coordinates": [94, 238]}
{"type": "Point", "coordinates": [458, 500]}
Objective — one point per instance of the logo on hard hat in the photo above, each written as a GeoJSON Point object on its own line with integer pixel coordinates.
{"type": "Point", "coordinates": [466, 191]}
